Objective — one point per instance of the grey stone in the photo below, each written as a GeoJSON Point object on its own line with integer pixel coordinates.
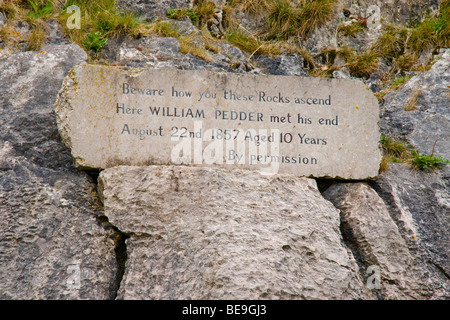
{"type": "Point", "coordinates": [376, 240]}
{"type": "Point", "coordinates": [185, 26]}
{"type": "Point", "coordinates": [165, 52]}
{"type": "Point", "coordinates": [419, 203]}
{"type": "Point", "coordinates": [201, 233]}
{"type": "Point", "coordinates": [50, 229]}
{"type": "Point", "coordinates": [152, 9]}
{"type": "Point", "coordinates": [288, 65]}
{"type": "Point", "coordinates": [55, 33]}
{"type": "Point", "coordinates": [430, 122]}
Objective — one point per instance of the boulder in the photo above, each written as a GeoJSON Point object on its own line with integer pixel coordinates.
{"type": "Point", "coordinates": [376, 240]}
{"type": "Point", "coordinates": [202, 233]}
{"type": "Point", "coordinates": [419, 203]}
{"type": "Point", "coordinates": [53, 244]}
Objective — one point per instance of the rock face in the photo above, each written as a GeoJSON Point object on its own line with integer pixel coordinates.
{"type": "Point", "coordinates": [52, 243]}
{"type": "Point", "coordinates": [200, 233]}
{"type": "Point", "coordinates": [212, 233]}
{"type": "Point", "coordinates": [429, 121]}
{"type": "Point", "coordinates": [376, 239]}
{"type": "Point", "coordinates": [419, 203]}
{"type": "Point", "coordinates": [152, 9]}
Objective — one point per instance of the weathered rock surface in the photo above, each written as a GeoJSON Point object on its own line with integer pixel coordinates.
{"type": "Point", "coordinates": [152, 9]}
{"type": "Point", "coordinates": [203, 233]}
{"type": "Point", "coordinates": [430, 121]}
{"type": "Point", "coordinates": [419, 203]}
{"type": "Point", "coordinates": [286, 65]}
{"type": "Point", "coordinates": [165, 52]}
{"type": "Point", "coordinates": [377, 241]}
{"type": "Point", "coordinates": [200, 233]}
{"type": "Point", "coordinates": [50, 232]}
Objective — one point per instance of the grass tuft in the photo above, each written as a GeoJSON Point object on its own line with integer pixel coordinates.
{"type": "Point", "coordinates": [286, 19]}
{"type": "Point", "coordinates": [411, 104]}
{"type": "Point", "coordinates": [363, 65]}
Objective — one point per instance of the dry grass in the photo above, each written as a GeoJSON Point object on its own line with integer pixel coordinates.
{"type": "Point", "coordinates": [362, 65]}
{"type": "Point", "coordinates": [395, 151]}
{"type": "Point", "coordinates": [195, 46]}
{"type": "Point", "coordinates": [204, 11]}
{"type": "Point", "coordinates": [249, 43]}
{"type": "Point", "coordinates": [37, 37]}
{"type": "Point", "coordinates": [315, 13]}
{"type": "Point", "coordinates": [351, 29]}
{"type": "Point", "coordinates": [287, 18]}
{"type": "Point", "coordinates": [384, 165]}
{"type": "Point", "coordinates": [253, 6]}
{"type": "Point", "coordinates": [161, 28]}
{"type": "Point", "coordinates": [411, 104]}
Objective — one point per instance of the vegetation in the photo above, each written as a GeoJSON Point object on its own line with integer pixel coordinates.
{"type": "Point", "coordinates": [205, 11]}
{"type": "Point", "coordinates": [95, 41]}
{"type": "Point", "coordinates": [99, 20]}
{"type": "Point", "coordinates": [424, 162]}
{"type": "Point", "coordinates": [252, 44]}
{"type": "Point", "coordinates": [182, 13]}
{"type": "Point", "coordinates": [287, 24]}
{"type": "Point", "coordinates": [363, 65]}
{"type": "Point", "coordinates": [351, 29]}
{"type": "Point", "coordinates": [398, 151]}
{"type": "Point", "coordinates": [411, 104]}
{"type": "Point", "coordinates": [286, 19]}
{"type": "Point", "coordinates": [163, 29]}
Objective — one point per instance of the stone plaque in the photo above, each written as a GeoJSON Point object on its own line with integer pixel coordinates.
{"type": "Point", "coordinates": [110, 116]}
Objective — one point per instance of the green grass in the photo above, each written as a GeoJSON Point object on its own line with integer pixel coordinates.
{"type": "Point", "coordinates": [99, 20]}
{"type": "Point", "coordinates": [351, 29]}
{"type": "Point", "coordinates": [40, 10]}
{"type": "Point", "coordinates": [399, 151]}
{"type": "Point", "coordinates": [424, 162]}
{"type": "Point", "coordinates": [164, 29]}
{"type": "Point", "coordinates": [252, 44]}
{"type": "Point", "coordinates": [95, 41]}
{"type": "Point", "coordinates": [182, 13]}
{"type": "Point", "coordinates": [403, 46]}
{"type": "Point", "coordinates": [399, 82]}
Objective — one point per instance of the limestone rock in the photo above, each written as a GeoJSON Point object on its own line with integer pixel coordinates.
{"type": "Point", "coordinates": [287, 65]}
{"type": "Point", "coordinates": [152, 9]}
{"type": "Point", "coordinates": [201, 233]}
{"type": "Point", "coordinates": [430, 120]}
{"type": "Point", "coordinates": [419, 203]}
{"type": "Point", "coordinates": [375, 237]}
{"type": "Point", "coordinates": [165, 52]}
{"type": "Point", "coordinates": [52, 243]}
